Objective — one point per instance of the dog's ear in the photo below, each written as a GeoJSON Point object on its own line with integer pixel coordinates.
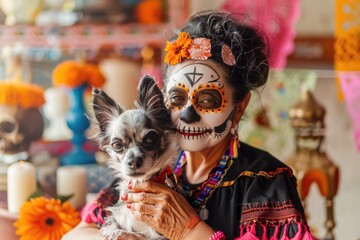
{"type": "Point", "coordinates": [151, 99]}
{"type": "Point", "coordinates": [149, 94]}
{"type": "Point", "coordinates": [105, 110]}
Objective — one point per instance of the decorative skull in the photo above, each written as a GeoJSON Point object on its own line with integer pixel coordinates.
{"type": "Point", "coordinates": [18, 128]}
{"type": "Point", "coordinates": [21, 122]}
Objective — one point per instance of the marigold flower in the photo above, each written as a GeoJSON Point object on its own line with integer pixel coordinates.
{"type": "Point", "coordinates": [94, 76]}
{"type": "Point", "coordinates": [178, 50]}
{"type": "Point", "coordinates": [43, 218]}
{"type": "Point", "coordinates": [73, 74]}
{"type": "Point", "coordinates": [68, 73]}
{"type": "Point", "coordinates": [22, 94]}
{"type": "Point", "coordinates": [200, 49]}
{"type": "Point", "coordinates": [149, 11]}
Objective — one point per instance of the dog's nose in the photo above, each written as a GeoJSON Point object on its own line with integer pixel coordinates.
{"type": "Point", "coordinates": [135, 162]}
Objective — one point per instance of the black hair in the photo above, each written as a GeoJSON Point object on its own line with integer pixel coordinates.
{"type": "Point", "coordinates": [248, 47]}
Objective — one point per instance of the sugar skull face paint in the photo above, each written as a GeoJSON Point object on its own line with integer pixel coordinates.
{"type": "Point", "coordinates": [201, 105]}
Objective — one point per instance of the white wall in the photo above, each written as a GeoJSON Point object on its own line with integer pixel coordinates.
{"type": "Point", "coordinates": [317, 18]}
{"type": "Point", "coordinates": [341, 149]}
{"type": "Point", "coordinates": [202, 5]}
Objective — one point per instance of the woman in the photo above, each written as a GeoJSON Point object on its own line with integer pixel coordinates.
{"type": "Point", "coordinates": [232, 190]}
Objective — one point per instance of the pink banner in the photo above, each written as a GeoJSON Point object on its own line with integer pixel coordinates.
{"type": "Point", "coordinates": [277, 20]}
{"type": "Point", "coordinates": [350, 84]}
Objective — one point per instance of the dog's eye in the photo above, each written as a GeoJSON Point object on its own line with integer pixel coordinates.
{"type": "Point", "coordinates": [151, 140]}
{"type": "Point", "coordinates": [117, 146]}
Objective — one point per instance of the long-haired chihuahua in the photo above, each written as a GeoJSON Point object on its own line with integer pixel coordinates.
{"type": "Point", "coordinates": [140, 143]}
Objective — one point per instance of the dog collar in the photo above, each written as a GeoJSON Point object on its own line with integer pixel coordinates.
{"type": "Point", "coordinates": [166, 176]}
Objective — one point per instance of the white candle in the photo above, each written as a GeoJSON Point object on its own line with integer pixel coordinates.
{"type": "Point", "coordinates": [122, 77]}
{"type": "Point", "coordinates": [21, 182]}
{"type": "Point", "coordinates": [72, 180]}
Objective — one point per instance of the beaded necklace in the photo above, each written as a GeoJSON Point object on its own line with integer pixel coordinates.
{"type": "Point", "coordinates": [204, 191]}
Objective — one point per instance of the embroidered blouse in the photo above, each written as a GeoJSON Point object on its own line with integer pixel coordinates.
{"type": "Point", "coordinates": [255, 198]}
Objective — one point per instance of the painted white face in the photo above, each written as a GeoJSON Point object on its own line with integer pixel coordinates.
{"type": "Point", "coordinates": [201, 105]}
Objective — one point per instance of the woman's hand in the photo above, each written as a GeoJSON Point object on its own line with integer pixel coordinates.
{"type": "Point", "coordinates": [162, 208]}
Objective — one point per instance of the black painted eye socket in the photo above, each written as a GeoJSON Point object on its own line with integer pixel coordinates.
{"type": "Point", "coordinates": [151, 140]}
{"type": "Point", "coordinates": [117, 145]}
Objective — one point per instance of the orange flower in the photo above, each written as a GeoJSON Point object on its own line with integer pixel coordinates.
{"type": "Point", "coordinates": [69, 73]}
{"type": "Point", "coordinates": [22, 94]}
{"type": "Point", "coordinates": [149, 11]}
{"type": "Point", "coordinates": [73, 74]}
{"type": "Point", "coordinates": [178, 50]}
{"type": "Point", "coordinates": [42, 218]}
{"type": "Point", "coordinates": [94, 75]}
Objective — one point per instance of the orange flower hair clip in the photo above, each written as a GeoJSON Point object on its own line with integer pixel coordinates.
{"type": "Point", "coordinates": [184, 47]}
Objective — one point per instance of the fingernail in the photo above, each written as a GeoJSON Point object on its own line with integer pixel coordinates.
{"type": "Point", "coordinates": [130, 185]}
{"type": "Point", "coordinates": [128, 205]}
{"type": "Point", "coordinates": [124, 197]}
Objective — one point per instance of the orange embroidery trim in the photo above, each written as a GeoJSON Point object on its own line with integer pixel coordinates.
{"type": "Point", "coordinates": [260, 173]}
{"type": "Point", "coordinates": [267, 174]}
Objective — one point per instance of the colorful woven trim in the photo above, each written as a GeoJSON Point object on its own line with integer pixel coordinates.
{"type": "Point", "coordinates": [269, 174]}
{"type": "Point", "coordinates": [275, 211]}
{"type": "Point", "coordinates": [211, 184]}
{"type": "Point", "coordinates": [203, 193]}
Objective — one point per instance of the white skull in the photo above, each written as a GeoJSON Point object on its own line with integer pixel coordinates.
{"type": "Point", "coordinates": [18, 128]}
{"type": "Point", "coordinates": [9, 128]}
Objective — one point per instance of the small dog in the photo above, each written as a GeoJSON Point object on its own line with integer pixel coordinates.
{"type": "Point", "coordinates": [140, 143]}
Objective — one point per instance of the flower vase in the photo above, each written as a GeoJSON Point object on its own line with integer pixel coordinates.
{"type": "Point", "coordinates": [78, 123]}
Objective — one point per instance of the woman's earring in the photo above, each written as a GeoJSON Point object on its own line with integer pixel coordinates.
{"type": "Point", "coordinates": [234, 143]}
